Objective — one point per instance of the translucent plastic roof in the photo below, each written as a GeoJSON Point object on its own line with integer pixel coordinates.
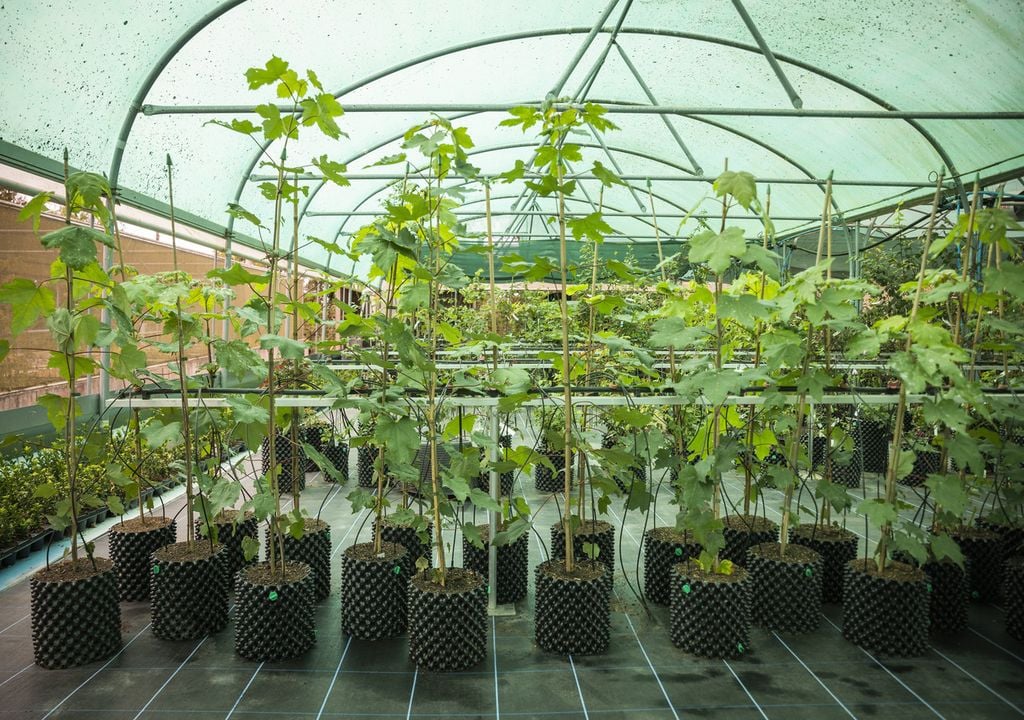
{"type": "Point", "coordinates": [81, 79]}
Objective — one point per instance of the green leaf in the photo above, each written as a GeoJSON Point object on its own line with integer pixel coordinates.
{"type": "Point", "coordinates": [911, 546]}
{"type": "Point", "coordinates": [326, 466]}
{"type": "Point", "coordinates": [159, 435]}
{"type": "Point", "coordinates": [114, 503]}
{"type": "Point", "coordinates": [240, 213]}
{"type": "Point", "coordinates": [592, 226]}
{"type": "Point", "coordinates": [765, 260]}
{"type": "Point", "coordinates": [472, 534]}
{"type": "Point", "coordinates": [483, 501]}
{"type": "Point", "coordinates": [948, 492]}
{"type": "Point", "coordinates": [878, 511]}
{"type": "Point", "coordinates": [322, 111]}
{"type": "Point", "coordinates": [414, 296]}
{"type": "Point", "coordinates": [943, 546]}
{"type": "Point", "coordinates": [237, 274]}
{"type": "Point", "coordinates": [332, 171]}
{"type": "Point", "coordinates": [34, 209]}
{"type": "Point", "coordinates": [740, 185]}
{"type": "Point", "coordinates": [250, 547]}
{"type": "Point", "coordinates": [400, 438]}
{"type": "Point", "coordinates": [591, 550]}
{"type": "Point", "coordinates": [745, 309]}
{"type": "Point", "coordinates": [77, 245]}
{"type": "Point", "coordinates": [239, 359]}
{"type": "Point", "coordinates": [44, 491]}
{"type": "Point", "coordinates": [57, 410]}
{"type": "Point", "coordinates": [291, 349]}
{"type": "Point", "coordinates": [674, 332]}
{"type": "Point", "coordinates": [511, 381]}
{"type": "Point", "coordinates": [717, 251]}
{"type": "Point", "coordinates": [606, 176]}
{"type": "Point", "coordinates": [28, 303]}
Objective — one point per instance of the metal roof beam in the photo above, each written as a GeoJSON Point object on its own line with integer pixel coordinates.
{"type": "Point", "coordinates": [615, 109]}
{"type": "Point", "coordinates": [794, 98]}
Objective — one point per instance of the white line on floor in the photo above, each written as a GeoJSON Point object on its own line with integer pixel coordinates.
{"type": "Point", "coordinates": [16, 622]}
{"type": "Point", "coordinates": [172, 676]}
{"type": "Point", "coordinates": [244, 691]}
{"type": "Point", "coordinates": [16, 674]}
{"type": "Point", "coordinates": [334, 679]}
{"type": "Point", "coordinates": [813, 675]}
{"type": "Point", "coordinates": [744, 688]}
{"type": "Point", "coordinates": [101, 668]}
{"type": "Point", "coordinates": [576, 677]}
{"type": "Point", "coordinates": [651, 666]}
{"type": "Point", "coordinates": [412, 693]}
{"type": "Point", "coordinates": [890, 673]}
{"type": "Point", "coordinates": [993, 642]}
{"type": "Point", "coordinates": [972, 677]}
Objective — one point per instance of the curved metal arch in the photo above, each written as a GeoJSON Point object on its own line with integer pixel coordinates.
{"type": "Point", "coordinates": [513, 146]}
{"type": "Point", "coordinates": [663, 32]}
{"type": "Point", "coordinates": [511, 37]}
{"type": "Point", "coordinates": [151, 78]}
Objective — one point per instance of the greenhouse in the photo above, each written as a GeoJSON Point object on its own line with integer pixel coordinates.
{"type": "Point", "coordinates": [582, 359]}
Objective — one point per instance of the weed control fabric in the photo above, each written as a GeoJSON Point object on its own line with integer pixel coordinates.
{"type": "Point", "coordinates": [132, 544]}
{"type": "Point", "coordinates": [189, 595]}
{"type": "Point", "coordinates": [710, 614]}
{"type": "Point", "coordinates": [375, 590]}
{"type": "Point", "coordinates": [887, 614]}
{"type": "Point", "coordinates": [837, 547]}
{"type": "Point", "coordinates": [313, 549]}
{"type": "Point", "coordinates": [572, 614]}
{"type": "Point", "coordinates": [786, 589]}
{"type": "Point", "coordinates": [75, 621]}
{"type": "Point", "coordinates": [664, 548]}
{"type": "Point", "coordinates": [512, 569]}
{"type": "Point", "coordinates": [448, 625]}
{"type": "Point", "coordinates": [274, 614]}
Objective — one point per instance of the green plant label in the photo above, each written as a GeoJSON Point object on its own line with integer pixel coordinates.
{"type": "Point", "coordinates": [679, 552]}
{"type": "Point", "coordinates": [740, 648]}
{"type": "Point", "coordinates": [273, 596]}
{"type": "Point", "coordinates": [809, 572]}
{"type": "Point", "coordinates": [686, 588]}
{"type": "Point", "coordinates": [156, 569]}
{"type": "Point", "coordinates": [929, 587]}
{"type": "Point", "coordinates": [397, 570]}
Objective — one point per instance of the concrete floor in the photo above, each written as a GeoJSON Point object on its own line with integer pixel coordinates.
{"type": "Point", "coordinates": [977, 674]}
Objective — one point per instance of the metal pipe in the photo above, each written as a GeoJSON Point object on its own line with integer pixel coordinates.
{"type": "Point", "coordinates": [628, 177]}
{"type": "Point", "coordinates": [768, 54]}
{"type": "Point", "coordinates": [543, 213]}
{"type": "Point", "coordinates": [698, 170]}
{"type": "Point", "coordinates": [612, 108]}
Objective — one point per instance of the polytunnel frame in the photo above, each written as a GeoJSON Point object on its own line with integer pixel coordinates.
{"type": "Point", "coordinates": [137, 104]}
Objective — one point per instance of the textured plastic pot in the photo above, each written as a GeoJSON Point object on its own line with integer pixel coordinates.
{"type": "Point", "coordinates": [366, 466]}
{"type": "Point", "coordinates": [76, 617]}
{"type": "Point", "coordinates": [984, 550]}
{"type": "Point", "coordinates": [448, 624]}
{"type": "Point", "coordinates": [314, 550]}
{"type": "Point", "coordinates": [949, 590]}
{"type": "Point", "coordinates": [408, 537]}
{"type": "Point", "coordinates": [1011, 534]}
{"type": "Point", "coordinates": [189, 591]}
{"type": "Point", "coordinates": [506, 480]}
{"type": "Point", "coordinates": [786, 588]}
{"type": "Point", "coordinates": [743, 532]}
{"type": "Point", "coordinates": [873, 438]}
{"type": "Point", "coordinates": [573, 611]}
{"type": "Point", "coordinates": [926, 462]}
{"type": "Point", "coordinates": [595, 532]}
{"type": "Point", "coordinates": [375, 590]}
{"type": "Point", "coordinates": [710, 613]}
{"type": "Point", "coordinates": [230, 532]}
{"type": "Point", "coordinates": [836, 546]}
{"type": "Point", "coordinates": [274, 613]}
{"type": "Point", "coordinates": [1013, 597]}
{"type": "Point", "coordinates": [512, 568]}
{"type": "Point", "coordinates": [337, 454]}
{"type": "Point", "coordinates": [548, 481]}
{"type": "Point", "coordinates": [848, 474]}
{"type": "Point", "coordinates": [664, 548]}
{"type": "Point", "coordinates": [132, 544]}
{"type": "Point", "coordinates": [886, 613]}
{"type": "Point", "coordinates": [283, 457]}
